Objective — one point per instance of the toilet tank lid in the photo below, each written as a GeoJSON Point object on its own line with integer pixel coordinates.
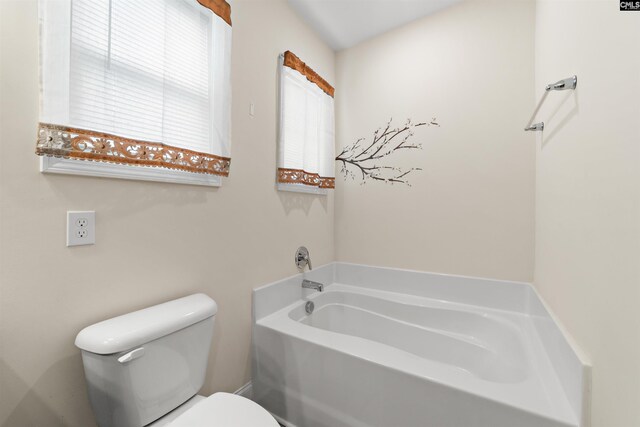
{"type": "Point", "coordinates": [132, 329]}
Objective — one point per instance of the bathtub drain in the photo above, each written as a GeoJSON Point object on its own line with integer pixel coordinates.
{"type": "Point", "coordinates": [308, 307]}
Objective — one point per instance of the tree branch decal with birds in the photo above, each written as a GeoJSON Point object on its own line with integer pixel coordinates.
{"type": "Point", "coordinates": [367, 160]}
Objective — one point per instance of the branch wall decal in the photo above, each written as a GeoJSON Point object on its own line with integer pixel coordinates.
{"type": "Point", "coordinates": [366, 160]}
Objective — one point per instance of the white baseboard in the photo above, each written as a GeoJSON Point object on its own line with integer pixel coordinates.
{"type": "Point", "coordinates": [281, 421]}
{"type": "Point", "coordinates": [245, 391]}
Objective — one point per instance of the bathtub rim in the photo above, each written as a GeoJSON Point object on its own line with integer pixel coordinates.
{"type": "Point", "coordinates": [576, 381]}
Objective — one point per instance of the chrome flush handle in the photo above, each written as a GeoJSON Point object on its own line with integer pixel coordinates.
{"type": "Point", "coordinates": [302, 258]}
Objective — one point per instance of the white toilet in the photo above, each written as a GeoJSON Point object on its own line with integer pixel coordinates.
{"type": "Point", "coordinates": [145, 368]}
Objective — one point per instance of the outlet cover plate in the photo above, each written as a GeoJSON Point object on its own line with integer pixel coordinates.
{"type": "Point", "coordinates": [81, 228]}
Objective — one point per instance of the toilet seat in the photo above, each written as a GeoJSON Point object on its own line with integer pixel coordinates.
{"type": "Point", "coordinates": [225, 410]}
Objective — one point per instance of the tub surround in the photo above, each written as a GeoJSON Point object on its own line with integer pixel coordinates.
{"type": "Point", "coordinates": [494, 355]}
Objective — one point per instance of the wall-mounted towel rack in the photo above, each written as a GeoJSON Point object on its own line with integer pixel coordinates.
{"type": "Point", "coordinates": [564, 84]}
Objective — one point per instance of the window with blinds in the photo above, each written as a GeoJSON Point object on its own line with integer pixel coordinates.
{"type": "Point", "coordinates": [306, 138]}
{"type": "Point", "coordinates": [137, 83]}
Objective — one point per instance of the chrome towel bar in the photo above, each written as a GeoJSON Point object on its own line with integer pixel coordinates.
{"type": "Point", "coordinates": [535, 126]}
{"type": "Point", "coordinates": [564, 84]}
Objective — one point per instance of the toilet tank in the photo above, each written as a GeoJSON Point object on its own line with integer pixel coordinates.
{"type": "Point", "coordinates": [144, 364]}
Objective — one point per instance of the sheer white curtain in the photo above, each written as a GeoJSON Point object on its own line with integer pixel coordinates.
{"type": "Point", "coordinates": [306, 138]}
{"type": "Point", "coordinates": [148, 70]}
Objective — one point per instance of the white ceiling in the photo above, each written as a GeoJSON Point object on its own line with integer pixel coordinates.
{"type": "Point", "coordinates": [345, 23]}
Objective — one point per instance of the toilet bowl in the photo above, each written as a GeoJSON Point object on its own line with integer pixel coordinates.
{"type": "Point", "coordinates": [218, 410]}
{"type": "Point", "coordinates": [145, 368]}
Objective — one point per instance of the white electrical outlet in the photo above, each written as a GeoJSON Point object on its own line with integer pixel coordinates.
{"type": "Point", "coordinates": [81, 228]}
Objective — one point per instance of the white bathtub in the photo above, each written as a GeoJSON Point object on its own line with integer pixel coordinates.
{"type": "Point", "coordinates": [388, 348]}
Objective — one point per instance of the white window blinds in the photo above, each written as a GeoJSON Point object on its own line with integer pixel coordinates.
{"type": "Point", "coordinates": [143, 82]}
{"type": "Point", "coordinates": [306, 145]}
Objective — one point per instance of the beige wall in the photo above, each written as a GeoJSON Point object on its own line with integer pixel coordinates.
{"type": "Point", "coordinates": [470, 211]}
{"type": "Point", "coordinates": [154, 241]}
{"type": "Point", "coordinates": [588, 193]}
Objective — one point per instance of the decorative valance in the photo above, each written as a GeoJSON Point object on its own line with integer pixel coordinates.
{"type": "Point", "coordinates": [82, 144]}
{"type": "Point", "coordinates": [292, 61]}
{"type": "Point", "coordinates": [219, 7]}
{"type": "Point", "coordinates": [306, 137]}
{"type": "Point", "coordinates": [298, 176]}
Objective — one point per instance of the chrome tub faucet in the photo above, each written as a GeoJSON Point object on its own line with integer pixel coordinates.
{"type": "Point", "coordinates": [303, 258]}
{"type": "Point", "coordinates": [310, 284]}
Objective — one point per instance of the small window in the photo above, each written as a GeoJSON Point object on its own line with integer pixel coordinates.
{"type": "Point", "coordinates": [306, 139]}
{"type": "Point", "coordinates": [140, 89]}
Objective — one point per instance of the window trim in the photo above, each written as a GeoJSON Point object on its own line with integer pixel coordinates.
{"type": "Point", "coordinates": [301, 188]}
{"type": "Point", "coordinates": [57, 165]}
